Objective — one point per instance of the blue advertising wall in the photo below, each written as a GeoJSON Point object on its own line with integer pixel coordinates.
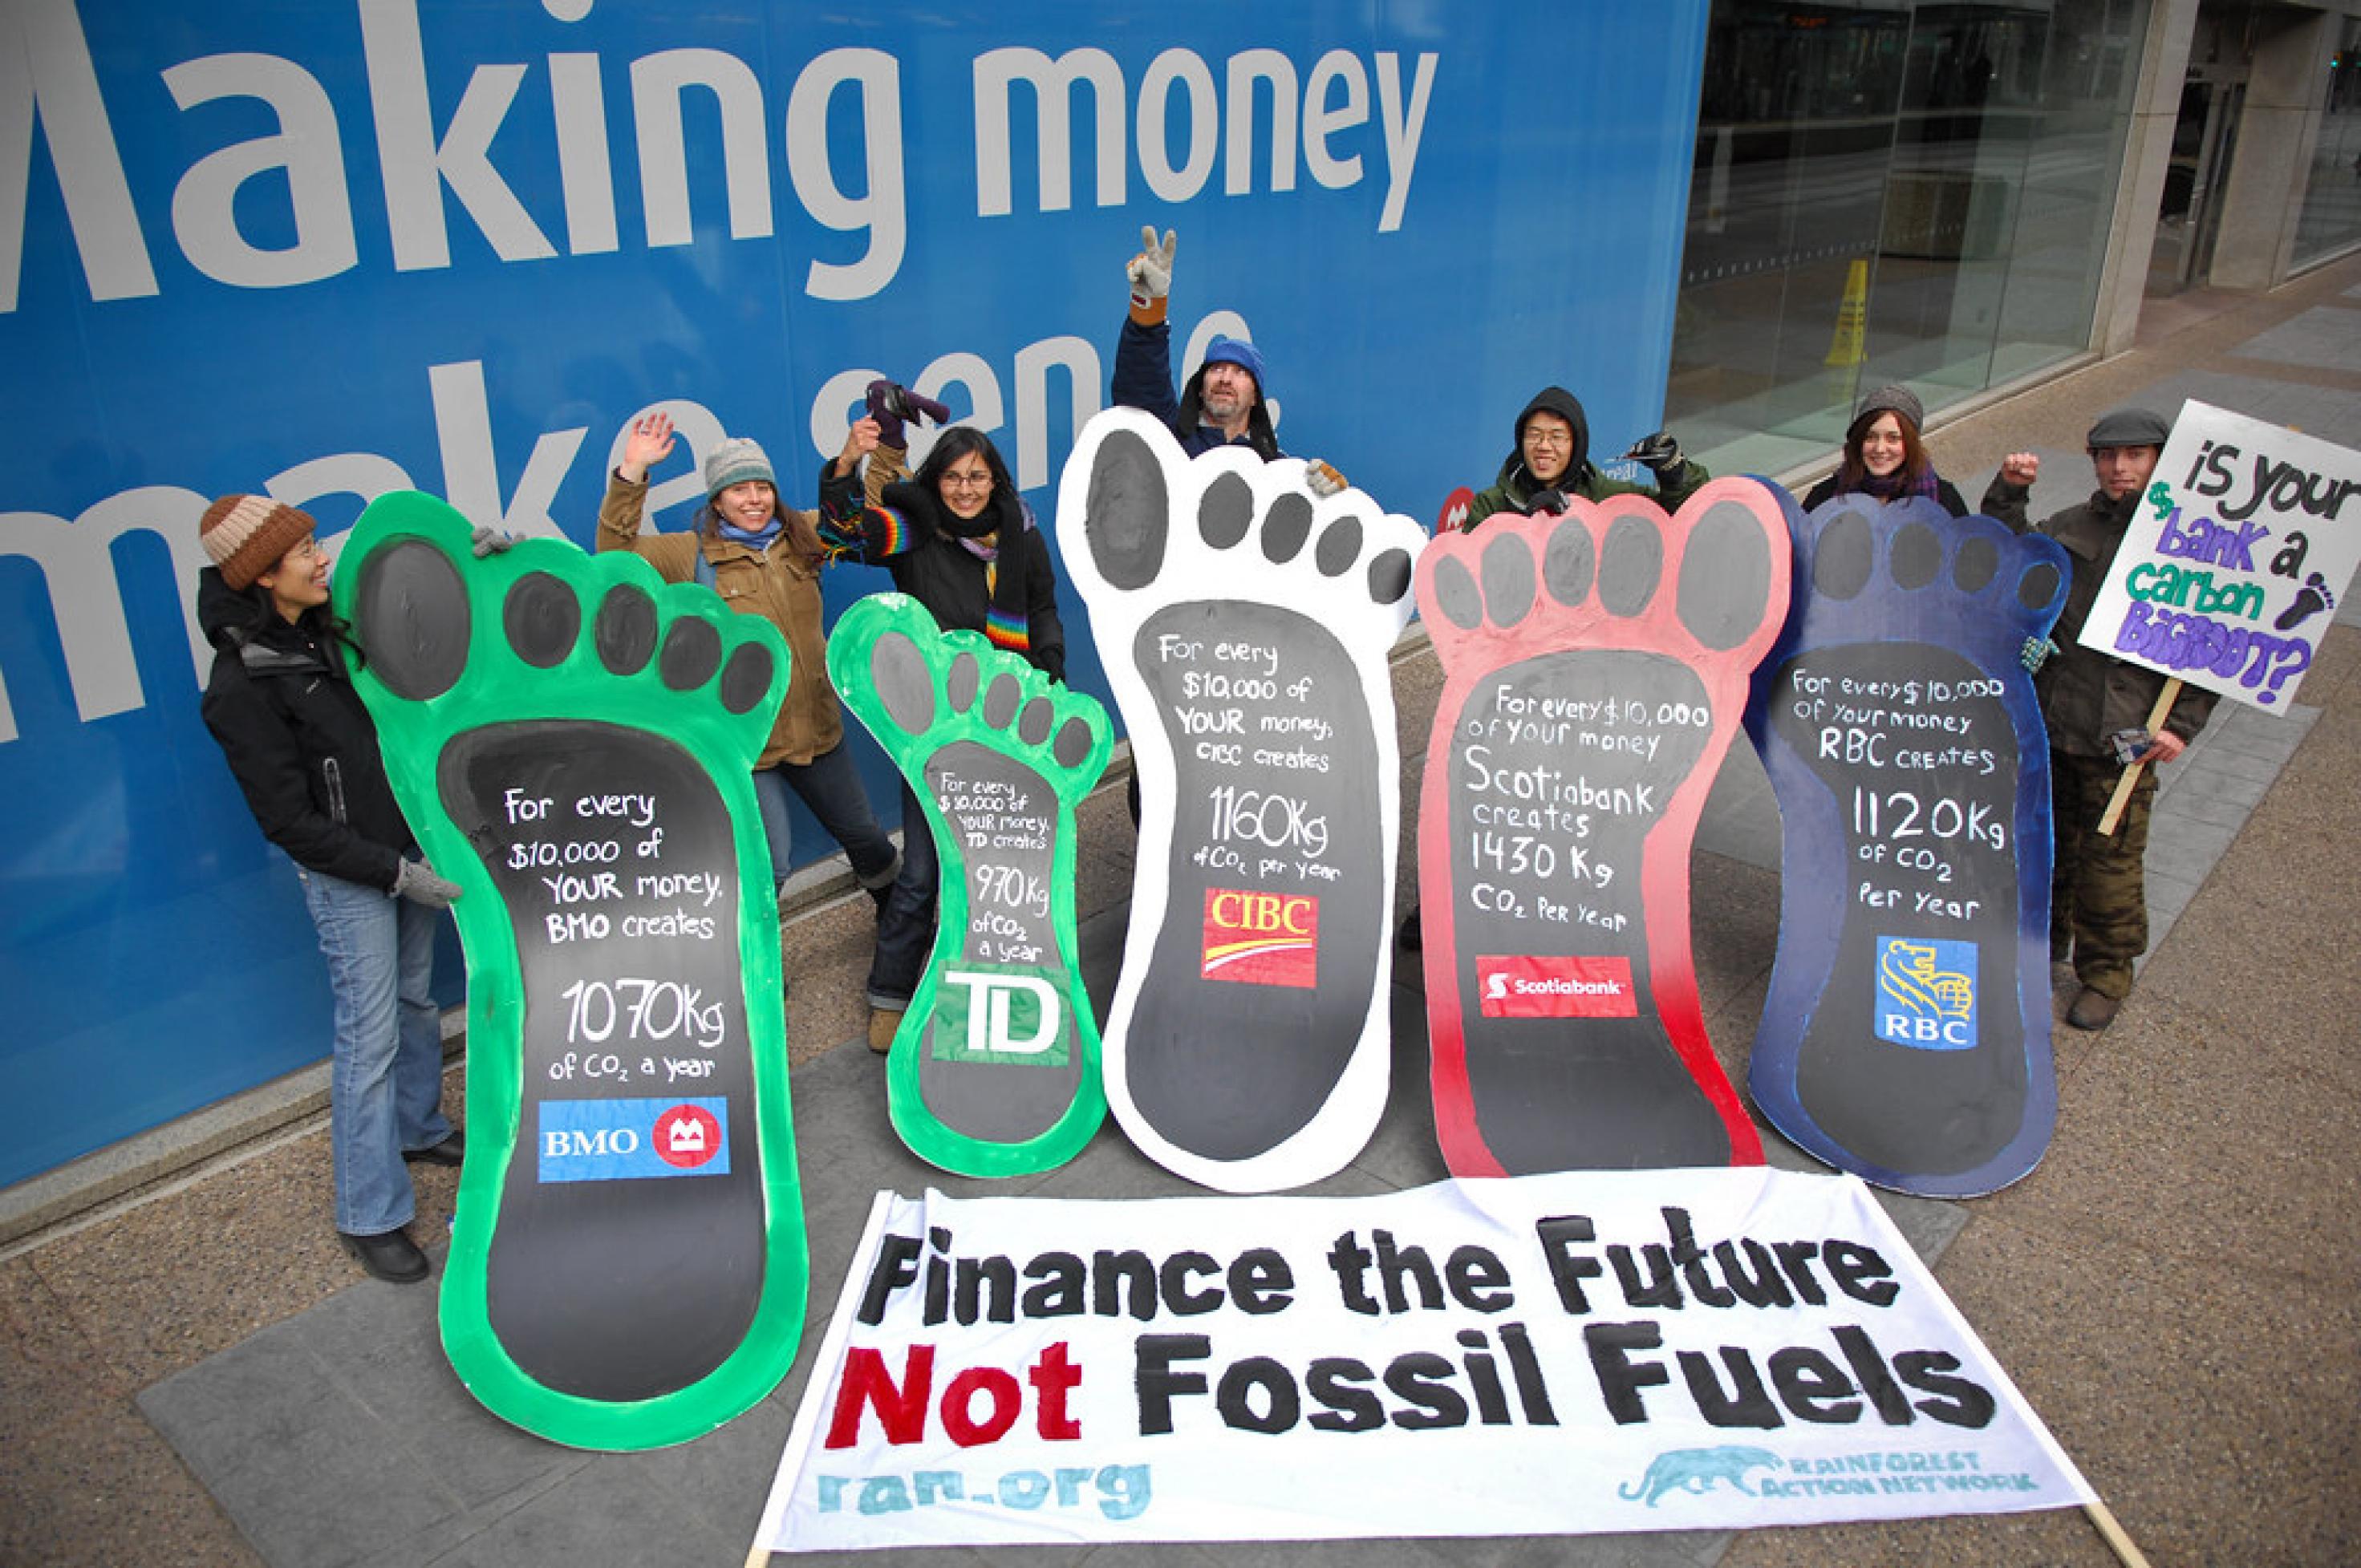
{"type": "Point", "coordinates": [329, 250]}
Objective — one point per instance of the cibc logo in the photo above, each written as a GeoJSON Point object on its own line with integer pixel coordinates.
{"type": "Point", "coordinates": [1262, 938]}
{"type": "Point", "coordinates": [622, 1140]}
{"type": "Point", "coordinates": [1526, 986]}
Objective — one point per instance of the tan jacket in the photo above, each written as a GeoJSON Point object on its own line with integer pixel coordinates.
{"type": "Point", "coordinates": [781, 585]}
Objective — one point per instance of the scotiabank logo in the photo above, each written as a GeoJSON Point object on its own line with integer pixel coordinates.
{"type": "Point", "coordinates": [1555, 988]}
{"type": "Point", "coordinates": [1262, 938]}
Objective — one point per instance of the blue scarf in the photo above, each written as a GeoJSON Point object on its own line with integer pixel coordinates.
{"type": "Point", "coordinates": [752, 539]}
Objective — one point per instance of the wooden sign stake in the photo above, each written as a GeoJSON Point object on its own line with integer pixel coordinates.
{"type": "Point", "coordinates": [2124, 786]}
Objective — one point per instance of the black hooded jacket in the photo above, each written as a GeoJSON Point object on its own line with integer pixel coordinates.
{"type": "Point", "coordinates": [298, 739]}
{"type": "Point", "coordinates": [1515, 488]}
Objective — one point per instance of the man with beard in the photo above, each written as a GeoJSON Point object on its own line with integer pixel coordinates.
{"type": "Point", "coordinates": [1224, 404]}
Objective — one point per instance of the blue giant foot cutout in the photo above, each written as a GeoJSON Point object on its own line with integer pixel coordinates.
{"type": "Point", "coordinates": [1907, 1034]}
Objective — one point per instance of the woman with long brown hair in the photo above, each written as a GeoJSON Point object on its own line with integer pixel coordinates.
{"type": "Point", "coordinates": [1884, 458]}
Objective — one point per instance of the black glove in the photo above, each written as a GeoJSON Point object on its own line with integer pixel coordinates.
{"type": "Point", "coordinates": [1552, 502]}
{"type": "Point", "coordinates": [1659, 453]}
{"type": "Point", "coordinates": [891, 405]}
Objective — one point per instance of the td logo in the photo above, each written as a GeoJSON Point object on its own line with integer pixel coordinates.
{"type": "Point", "coordinates": [1002, 1016]}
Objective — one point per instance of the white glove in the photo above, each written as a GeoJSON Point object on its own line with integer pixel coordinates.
{"type": "Point", "coordinates": [417, 882]}
{"type": "Point", "coordinates": [1151, 272]}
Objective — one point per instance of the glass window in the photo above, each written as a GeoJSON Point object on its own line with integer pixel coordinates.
{"type": "Point", "coordinates": [1904, 192]}
{"type": "Point", "coordinates": [2330, 220]}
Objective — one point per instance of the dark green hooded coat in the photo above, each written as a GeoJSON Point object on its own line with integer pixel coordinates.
{"type": "Point", "coordinates": [1515, 488]}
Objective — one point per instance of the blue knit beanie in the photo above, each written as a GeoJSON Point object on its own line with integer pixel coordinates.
{"type": "Point", "coordinates": [1238, 351]}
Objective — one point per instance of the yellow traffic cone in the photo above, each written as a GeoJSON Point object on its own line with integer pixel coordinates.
{"type": "Point", "coordinates": [1849, 348]}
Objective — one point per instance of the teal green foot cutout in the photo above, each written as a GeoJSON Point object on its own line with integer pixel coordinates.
{"type": "Point", "coordinates": [996, 1071]}
{"type": "Point", "coordinates": [572, 743]}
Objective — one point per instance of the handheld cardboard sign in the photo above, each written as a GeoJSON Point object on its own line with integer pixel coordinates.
{"type": "Point", "coordinates": [1595, 668]}
{"type": "Point", "coordinates": [996, 1071]}
{"type": "Point", "coordinates": [1907, 1034]}
{"type": "Point", "coordinates": [1244, 625]}
{"type": "Point", "coordinates": [571, 740]}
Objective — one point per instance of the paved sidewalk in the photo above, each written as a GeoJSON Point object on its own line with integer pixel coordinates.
{"type": "Point", "coordinates": [198, 1380]}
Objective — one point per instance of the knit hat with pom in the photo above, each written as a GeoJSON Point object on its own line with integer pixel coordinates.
{"type": "Point", "coordinates": [246, 535]}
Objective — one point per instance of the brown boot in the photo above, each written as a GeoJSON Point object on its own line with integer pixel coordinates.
{"type": "Point", "coordinates": [2092, 1011]}
{"type": "Point", "coordinates": [883, 1024]}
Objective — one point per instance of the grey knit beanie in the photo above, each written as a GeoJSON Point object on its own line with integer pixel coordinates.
{"type": "Point", "coordinates": [1891, 399]}
{"type": "Point", "coordinates": [734, 461]}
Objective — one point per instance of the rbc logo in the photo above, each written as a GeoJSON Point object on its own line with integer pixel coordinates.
{"type": "Point", "coordinates": [1926, 993]}
{"type": "Point", "coordinates": [618, 1140]}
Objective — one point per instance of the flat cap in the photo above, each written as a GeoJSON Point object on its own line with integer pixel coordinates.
{"type": "Point", "coordinates": [2129, 427]}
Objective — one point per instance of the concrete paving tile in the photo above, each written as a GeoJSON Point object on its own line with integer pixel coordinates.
{"type": "Point", "coordinates": [49, 1372]}
{"type": "Point", "coordinates": [251, 1405]}
{"type": "Point", "coordinates": [2325, 336]}
{"type": "Point", "coordinates": [161, 1287]}
{"type": "Point", "coordinates": [2240, 758]}
{"type": "Point", "coordinates": [2052, 1539]}
{"type": "Point", "coordinates": [823, 958]}
{"type": "Point", "coordinates": [1418, 687]}
{"type": "Point", "coordinates": [2192, 836]}
{"type": "Point", "coordinates": [384, 1349]}
{"type": "Point", "coordinates": [588, 1519]}
{"type": "Point", "coordinates": [1740, 818]}
{"type": "Point", "coordinates": [722, 1480]}
{"type": "Point", "coordinates": [2168, 896]}
{"type": "Point", "coordinates": [1404, 1151]}
{"type": "Point", "coordinates": [1107, 845]}
{"type": "Point", "coordinates": [338, 1497]}
{"type": "Point", "coordinates": [1733, 928]}
{"type": "Point", "coordinates": [2162, 1141]}
{"type": "Point", "coordinates": [103, 1487]}
{"type": "Point", "coordinates": [1731, 1027]}
{"type": "Point", "coordinates": [905, 1557]}
{"type": "Point", "coordinates": [1928, 1224]}
{"type": "Point", "coordinates": [2234, 789]}
{"type": "Point", "coordinates": [2210, 1403]}
{"type": "Point", "coordinates": [2199, 807]}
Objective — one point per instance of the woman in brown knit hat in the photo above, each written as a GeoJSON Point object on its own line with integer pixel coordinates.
{"type": "Point", "coordinates": [281, 703]}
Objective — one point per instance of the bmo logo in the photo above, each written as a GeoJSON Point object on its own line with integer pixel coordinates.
{"type": "Point", "coordinates": [1261, 938]}
{"type": "Point", "coordinates": [1526, 986]}
{"type": "Point", "coordinates": [623, 1140]}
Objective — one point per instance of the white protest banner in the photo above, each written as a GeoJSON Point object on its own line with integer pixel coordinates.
{"type": "Point", "coordinates": [1565, 1354]}
{"type": "Point", "coordinates": [2236, 558]}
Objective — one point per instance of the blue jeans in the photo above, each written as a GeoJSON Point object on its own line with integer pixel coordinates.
{"type": "Point", "coordinates": [829, 787]}
{"type": "Point", "coordinates": [385, 1085]}
{"type": "Point", "coordinates": [906, 928]}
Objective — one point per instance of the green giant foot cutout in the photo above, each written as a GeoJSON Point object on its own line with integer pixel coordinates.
{"type": "Point", "coordinates": [572, 739]}
{"type": "Point", "coordinates": [996, 1071]}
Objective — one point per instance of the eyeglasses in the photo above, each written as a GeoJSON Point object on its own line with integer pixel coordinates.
{"type": "Point", "coordinates": [1549, 438]}
{"type": "Point", "coordinates": [305, 549]}
{"type": "Point", "coordinates": [967, 481]}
